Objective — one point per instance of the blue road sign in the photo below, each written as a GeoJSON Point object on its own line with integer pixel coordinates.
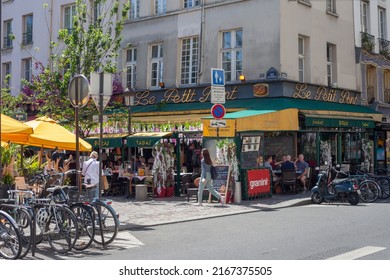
{"type": "Point", "coordinates": [218, 111]}
{"type": "Point", "coordinates": [217, 77]}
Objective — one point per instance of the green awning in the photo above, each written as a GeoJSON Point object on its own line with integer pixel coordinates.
{"type": "Point", "coordinates": [146, 139]}
{"type": "Point", "coordinates": [108, 140]}
{"type": "Point", "coordinates": [335, 121]}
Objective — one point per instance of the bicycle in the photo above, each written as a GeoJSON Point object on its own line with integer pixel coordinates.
{"type": "Point", "coordinates": [9, 237]}
{"type": "Point", "coordinates": [369, 189]}
{"type": "Point", "coordinates": [105, 218]}
{"type": "Point", "coordinates": [56, 223]}
{"type": "Point", "coordinates": [22, 215]}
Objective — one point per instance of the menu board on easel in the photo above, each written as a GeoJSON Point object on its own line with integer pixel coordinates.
{"type": "Point", "coordinates": [221, 184]}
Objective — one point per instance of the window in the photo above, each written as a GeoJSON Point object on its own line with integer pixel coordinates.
{"type": "Point", "coordinates": [8, 32]}
{"type": "Point", "coordinates": [331, 6]}
{"type": "Point", "coordinates": [191, 3]}
{"type": "Point", "coordinates": [372, 80]}
{"type": "Point", "coordinates": [134, 9]}
{"type": "Point", "coordinates": [97, 11]}
{"type": "Point", "coordinates": [156, 65]}
{"type": "Point", "coordinates": [232, 54]}
{"type": "Point", "coordinates": [69, 13]}
{"type": "Point", "coordinates": [386, 86]}
{"type": "Point", "coordinates": [301, 59]}
{"type": "Point", "coordinates": [331, 64]}
{"type": "Point", "coordinates": [382, 23]}
{"type": "Point", "coordinates": [27, 69]}
{"type": "Point", "coordinates": [189, 61]}
{"type": "Point", "coordinates": [131, 67]}
{"type": "Point", "coordinates": [160, 6]}
{"type": "Point", "coordinates": [27, 30]}
{"type": "Point", "coordinates": [6, 71]}
{"type": "Point", "coordinates": [364, 13]}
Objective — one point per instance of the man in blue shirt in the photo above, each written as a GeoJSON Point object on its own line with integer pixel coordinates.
{"type": "Point", "coordinates": [302, 167]}
{"type": "Point", "coordinates": [288, 164]}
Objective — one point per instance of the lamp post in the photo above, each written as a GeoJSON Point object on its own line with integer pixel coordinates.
{"type": "Point", "coordinates": [129, 96]}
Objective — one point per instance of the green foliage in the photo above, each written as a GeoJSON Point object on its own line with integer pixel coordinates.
{"type": "Point", "coordinates": [7, 159]}
{"type": "Point", "coordinates": [92, 45]}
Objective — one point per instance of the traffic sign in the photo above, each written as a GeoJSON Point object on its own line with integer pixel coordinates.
{"type": "Point", "coordinates": [218, 123]}
{"type": "Point", "coordinates": [78, 91]}
{"type": "Point", "coordinates": [218, 95]}
{"type": "Point", "coordinates": [218, 111]}
{"type": "Point", "coordinates": [217, 77]}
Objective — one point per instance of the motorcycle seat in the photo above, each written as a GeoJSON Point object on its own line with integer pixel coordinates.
{"type": "Point", "coordinates": [339, 181]}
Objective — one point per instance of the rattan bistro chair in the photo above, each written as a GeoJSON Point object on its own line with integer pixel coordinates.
{"type": "Point", "coordinates": [288, 179]}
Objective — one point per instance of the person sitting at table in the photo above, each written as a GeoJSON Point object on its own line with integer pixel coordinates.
{"type": "Point", "coordinates": [267, 164]}
{"type": "Point", "coordinates": [302, 167]}
{"type": "Point", "coordinates": [278, 164]}
{"type": "Point", "coordinates": [288, 164]}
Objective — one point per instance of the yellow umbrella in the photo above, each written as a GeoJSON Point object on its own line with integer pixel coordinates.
{"type": "Point", "coordinates": [13, 130]}
{"type": "Point", "coordinates": [48, 134]}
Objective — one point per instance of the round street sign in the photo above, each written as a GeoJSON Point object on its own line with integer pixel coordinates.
{"type": "Point", "coordinates": [218, 111]}
{"type": "Point", "coordinates": [82, 89]}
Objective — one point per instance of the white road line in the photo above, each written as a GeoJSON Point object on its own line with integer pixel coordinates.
{"type": "Point", "coordinates": [355, 254]}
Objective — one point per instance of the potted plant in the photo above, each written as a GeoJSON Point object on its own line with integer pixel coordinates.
{"type": "Point", "coordinates": [8, 176]}
{"type": "Point", "coordinates": [163, 167]}
{"type": "Point", "coordinates": [226, 155]}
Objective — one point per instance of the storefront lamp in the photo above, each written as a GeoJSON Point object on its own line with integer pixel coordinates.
{"type": "Point", "coordinates": [242, 78]}
{"type": "Point", "coordinates": [162, 85]}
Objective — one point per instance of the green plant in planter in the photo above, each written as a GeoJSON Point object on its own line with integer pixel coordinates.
{"type": "Point", "coordinates": [8, 161]}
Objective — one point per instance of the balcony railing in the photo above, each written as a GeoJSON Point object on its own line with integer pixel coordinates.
{"type": "Point", "coordinates": [27, 38]}
{"type": "Point", "coordinates": [384, 46]}
{"type": "Point", "coordinates": [368, 41]}
{"type": "Point", "coordinates": [7, 43]}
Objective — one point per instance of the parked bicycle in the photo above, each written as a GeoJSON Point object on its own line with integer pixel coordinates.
{"type": "Point", "coordinates": [10, 247]}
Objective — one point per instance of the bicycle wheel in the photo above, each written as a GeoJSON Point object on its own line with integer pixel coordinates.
{"type": "Point", "coordinates": [369, 191]}
{"type": "Point", "coordinates": [9, 237]}
{"type": "Point", "coordinates": [61, 229]}
{"type": "Point", "coordinates": [85, 225]}
{"type": "Point", "coordinates": [23, 219]}
{"type": "Point", "coordinates": [109, 223]}
{"type": "Point", "coordinates": [384, 184]}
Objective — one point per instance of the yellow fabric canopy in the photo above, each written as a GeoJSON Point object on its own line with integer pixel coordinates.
{"type": "Point", "coordinates": [48, 134]}
{"type": "Point", "coordinates": [12, 129]}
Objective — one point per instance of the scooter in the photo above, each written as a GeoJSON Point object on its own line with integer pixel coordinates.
{"type": "Point", "coordinates": [328, 190]}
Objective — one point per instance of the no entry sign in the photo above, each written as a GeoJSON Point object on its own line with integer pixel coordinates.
{"type": "Point", "coordinates": [218, 111]}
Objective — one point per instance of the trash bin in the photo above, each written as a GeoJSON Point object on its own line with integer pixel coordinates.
{"type": "Point", "coordinates": [141, 192]}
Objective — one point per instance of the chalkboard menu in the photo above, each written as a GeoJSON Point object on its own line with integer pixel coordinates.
{"type": "Point", "coordinates": [279, 145]}
{"type": "Point", "coordinates": [221, 184]}
{"type": "Point", "coordinates": [250, 150]}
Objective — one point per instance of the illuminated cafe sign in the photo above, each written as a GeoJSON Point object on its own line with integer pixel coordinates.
{"type": "Point", "coordinates": [302, 91]}
{"type": "Point", "coordinates": [327, 122]}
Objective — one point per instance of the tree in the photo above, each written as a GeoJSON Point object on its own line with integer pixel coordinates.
{"type": "Point", "coordinates": [91, 45]}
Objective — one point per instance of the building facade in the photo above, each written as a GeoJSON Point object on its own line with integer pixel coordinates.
{"type": "Point", "coordinates": [276, 55]}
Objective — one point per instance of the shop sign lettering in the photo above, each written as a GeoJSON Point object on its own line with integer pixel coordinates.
{"type": "Point", "coordinates": [104, 143]}
{"type": "Point", "coordinates": [324, 94]}
{"type": "Point", "coordinates": [143, 142]}
{"type": "Point", "coordinates": [177, 96]}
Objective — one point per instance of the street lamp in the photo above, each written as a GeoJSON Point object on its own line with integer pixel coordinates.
{"type": "Point", "coordinates": [129, 96]}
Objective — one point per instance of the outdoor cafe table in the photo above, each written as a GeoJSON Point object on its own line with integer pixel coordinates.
{"type": "Point", "coordinates": [131, 186]}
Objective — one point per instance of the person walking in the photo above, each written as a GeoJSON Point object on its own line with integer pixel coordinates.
{"type": "Point", "coordinates": [205, 178]}
{"type": "Point", "coordinates": [90, 172]}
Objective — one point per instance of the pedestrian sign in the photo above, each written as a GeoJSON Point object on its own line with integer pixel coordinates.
{"type": "Point", "coordinates": [217, 77]}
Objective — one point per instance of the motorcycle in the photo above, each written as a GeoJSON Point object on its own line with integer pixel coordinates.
{"type": "Point", "coordinates": [329, 189]}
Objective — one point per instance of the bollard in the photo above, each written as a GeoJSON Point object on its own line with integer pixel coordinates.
{"type": "Point", "coordinates": [237, 192]}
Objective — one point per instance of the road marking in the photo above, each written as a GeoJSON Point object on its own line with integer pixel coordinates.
{"type": "Point", "coordinates": [355, 254]}
{"type": "Point", "coordinates": [126, 240]}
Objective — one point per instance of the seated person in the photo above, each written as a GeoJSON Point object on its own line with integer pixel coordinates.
{"type": "Point", "coordinates": [303, 167]}
{"type": "Point", "coordinates": [267, 163]}
{"type": "Point", "coordinates": [288, 164]}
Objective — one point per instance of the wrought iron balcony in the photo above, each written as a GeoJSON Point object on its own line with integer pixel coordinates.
{"type": "Point", "coordinates": [384, 46]}
{"type": "Point", "coordinates": [7, 43]}
{"type": "Point", "coordinates": [27, 38]}
{"type": "Point", "coordinates": [368, 41]}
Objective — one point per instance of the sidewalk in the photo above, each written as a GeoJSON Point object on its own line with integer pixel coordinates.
{"type": "Point", "coordinates": [158, 211]}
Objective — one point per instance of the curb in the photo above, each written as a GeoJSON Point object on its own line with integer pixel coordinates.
{"type": "Point", "coordinates": [262, 207]}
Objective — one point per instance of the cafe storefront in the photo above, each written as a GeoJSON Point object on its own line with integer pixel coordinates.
{"type": "Point", "coordinates": [290, 117]}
